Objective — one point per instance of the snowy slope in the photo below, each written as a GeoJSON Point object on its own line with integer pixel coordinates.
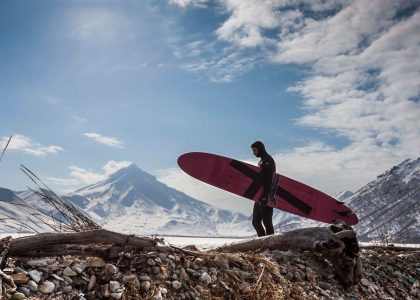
{"type": "Point", "coordinates": [16, 215]}
{"type": "Point", "coordinates": [132, 200]}
{"type": "Point", "coordinates": [390, 205]}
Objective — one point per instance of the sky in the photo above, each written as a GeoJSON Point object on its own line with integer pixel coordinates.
{"type": "Point", "coordinates": [87, 87]}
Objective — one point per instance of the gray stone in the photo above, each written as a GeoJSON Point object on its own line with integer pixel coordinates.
{"type": "Point", "coordinates": [183, 275]}
{"type": "Point", "coordinates": [222, 261]}
{"type": "Point", "coordinates": [38, 263]}
{"type": "Point", "coordinates": [95, 262]}
{"type": "Point", "coordinates": [92, 283]}
{"type": "Point", "coordinates": [278, 255]}
{"type": "Point", "coordinates": [19, 270]}
{"type": "Point", "coordinates": [105, 290]}
{"type": "Point", "coordinates": [132, 280]}
{"type": "Point", "coordinates": [145, 285]}
{"type": "Point", "coordinates": [144, 278]}
{"type": "Point", "coordinates": [24, 290]}
{"type": "Point", "coordinates": [111, 269]}
{"type": "Point", "coordinates": [114, 286]}
{"type": "Point", "coordinates": [18, 295]}
{"type": "Point", "coordinates": [176, 284]}
{"type": "Point", "coordinates": [57, 277]}
{"type": "Point", "coordinates": [78, 268]}
{"type": "Point", "coordinates": [151, 262]}
{"type": "Point", "coordinates": [205, 278]}
{"type": "Point", "coordinates": [67, 289]}
{"type": "Point", "coordinates": [32, 286]}
{"type": "Point", "coordinates": [69, 272]}
{"type": "Point", "coordinates": [324, 286]}
{"type": "Point", "coordinates": [47, 287]}
{"type": "Point", "coordinates": [35, 275]}
{"type": "Point", "coordinates": [117, 295]}
{"type": "Point", "coordinates": [68, 279]}
{"type": "Point", "coordinates": [9, 271]}
{"type": "Point", "coordinates": [199, 262]}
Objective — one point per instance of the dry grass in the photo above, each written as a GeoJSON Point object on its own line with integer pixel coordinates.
{"type": "Point", "coordinates": [63, 215]}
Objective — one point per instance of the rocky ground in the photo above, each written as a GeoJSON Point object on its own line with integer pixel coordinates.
{"type": "Point", "coordinates": [389, 273]}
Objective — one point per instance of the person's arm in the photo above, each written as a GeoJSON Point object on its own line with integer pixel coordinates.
{"type": "Point", "coordinates": [267, 173]}
{"type": "Point", "coordinates": [268, 176]}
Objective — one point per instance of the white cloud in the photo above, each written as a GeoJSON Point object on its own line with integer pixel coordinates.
{"type": "Point", "coordinates": [246, 22]}
{"type": "Point", "coordinates": [224, 68]}
{"type": "Point", "coordinates": [365, 67]}
{"type": "Point", "coordinates": [363, 83]}
{"type": "Point", "coordinates": [81, 177]}
{"type": "Point", "coordinates": [105, 140]}
{"type": "Point", "coordinates": [27, 145]}
{"type": "Point", "coordinates": [185, 3]}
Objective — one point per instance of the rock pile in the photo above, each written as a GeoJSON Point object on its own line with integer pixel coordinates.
{"type": "Point", "coordinates": [388, 273]}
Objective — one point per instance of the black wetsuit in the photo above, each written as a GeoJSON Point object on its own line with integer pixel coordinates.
{"type": "Point", "coordinates": [262, 212]}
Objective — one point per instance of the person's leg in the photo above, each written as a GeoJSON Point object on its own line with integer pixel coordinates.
{"type": "Point", "coordinates": [256, 220]}
{"type": "Point", "coordinates": [267, 218]}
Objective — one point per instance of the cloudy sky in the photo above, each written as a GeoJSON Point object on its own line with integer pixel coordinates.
{"type": "Point", "coordinates": [86, 87]}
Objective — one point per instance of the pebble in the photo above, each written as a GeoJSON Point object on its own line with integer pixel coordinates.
{"type": "Point", "coordinates": [176, 284]}
{"type": "Point", "coordinates": [105, 290]}
{"type": "Point", "coordinates": [92, 283]}
{"type": "Point", "coordinates": [32, 286]}
{"type": "Point", "coordinates": [68, 279]}
{"type": "Point", "coordinates": [24, 290]}
{"type": "Point", "coordinates": [35, 275]}
{"type": "Point", "coordinates": [144, 278]}
{"type": "Point", "coordinates": [47, 287]}
{"type": "Point", "coordinates": [145, 285]}
{"type": "Point", "coordinates": [18, 295]}
{"type": "Point", "coordinates": [67, 289]}
{"type": "Point", "coordinates": [57, 277]}
{"type": "Point", "coordinates": [117, 295]}
{"type": "Point", "coordinates": [222, 261]}
{"type": "Point", "coordinates": [205, 278]}
{"type": "Point", "coordinates": [111, 269]}
{"type": "Point", "coordinates": [114, 285]}
{"type": "Point", "coordinates": [95, 262]}
{"type": "Point", "coordinates": [20, 278]}
{"type": "Point", "coordinates": [38, 263]}
{"type": "Point", "coordinates": [69, 272]}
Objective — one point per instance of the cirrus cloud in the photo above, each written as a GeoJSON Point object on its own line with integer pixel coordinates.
{"type": "Point", "coordinates": [105, 140]}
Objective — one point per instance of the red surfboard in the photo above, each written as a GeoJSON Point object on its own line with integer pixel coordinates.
{"type": "Point", "coordinates": [246, 180]}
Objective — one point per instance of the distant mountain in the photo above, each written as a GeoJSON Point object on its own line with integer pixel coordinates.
{"type": "Point", "coordinates": [387, 207]}
{"type": "Point", "coordinates": [132, 200]}
{"type": "Point", "coordinates": [18, 216]}
{"type": "Point", "coordinates": [390, 205]}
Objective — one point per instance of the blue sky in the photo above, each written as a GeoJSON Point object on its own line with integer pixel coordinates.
{"type": "Point", "coordinates": [86, 87]}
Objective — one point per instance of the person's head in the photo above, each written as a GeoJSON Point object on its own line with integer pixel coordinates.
{"type": "Point", "coordinates": [258, 148]}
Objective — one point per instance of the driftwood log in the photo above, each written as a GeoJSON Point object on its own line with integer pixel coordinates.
{"type": "Point", "coordinates": [87, 242]}
{"type": "Point", "coordinates": [337, 243]}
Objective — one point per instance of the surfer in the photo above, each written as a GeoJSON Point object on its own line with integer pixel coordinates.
{"type": "Point", "coordinates": [262, 213]}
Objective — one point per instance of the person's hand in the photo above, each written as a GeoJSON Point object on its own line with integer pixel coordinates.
{"type": "Point", "coordinates": [273, 201]}
{"type": "Point", "coordinates": [263, 200]}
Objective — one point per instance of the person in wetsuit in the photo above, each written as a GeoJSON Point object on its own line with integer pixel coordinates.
{"type": "Point", "coordinates": [262, 213]}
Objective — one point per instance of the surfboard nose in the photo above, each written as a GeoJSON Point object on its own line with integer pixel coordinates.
{"type": "Point", "coordinates": [196, 164]}
{"type": "Point", "coordinates": [352, 220]}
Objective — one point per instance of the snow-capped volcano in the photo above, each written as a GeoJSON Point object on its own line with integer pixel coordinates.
{"type": "Point", "coordinates": [134, 201]}
{"type": "Point", "coordinates": [389, 207]}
